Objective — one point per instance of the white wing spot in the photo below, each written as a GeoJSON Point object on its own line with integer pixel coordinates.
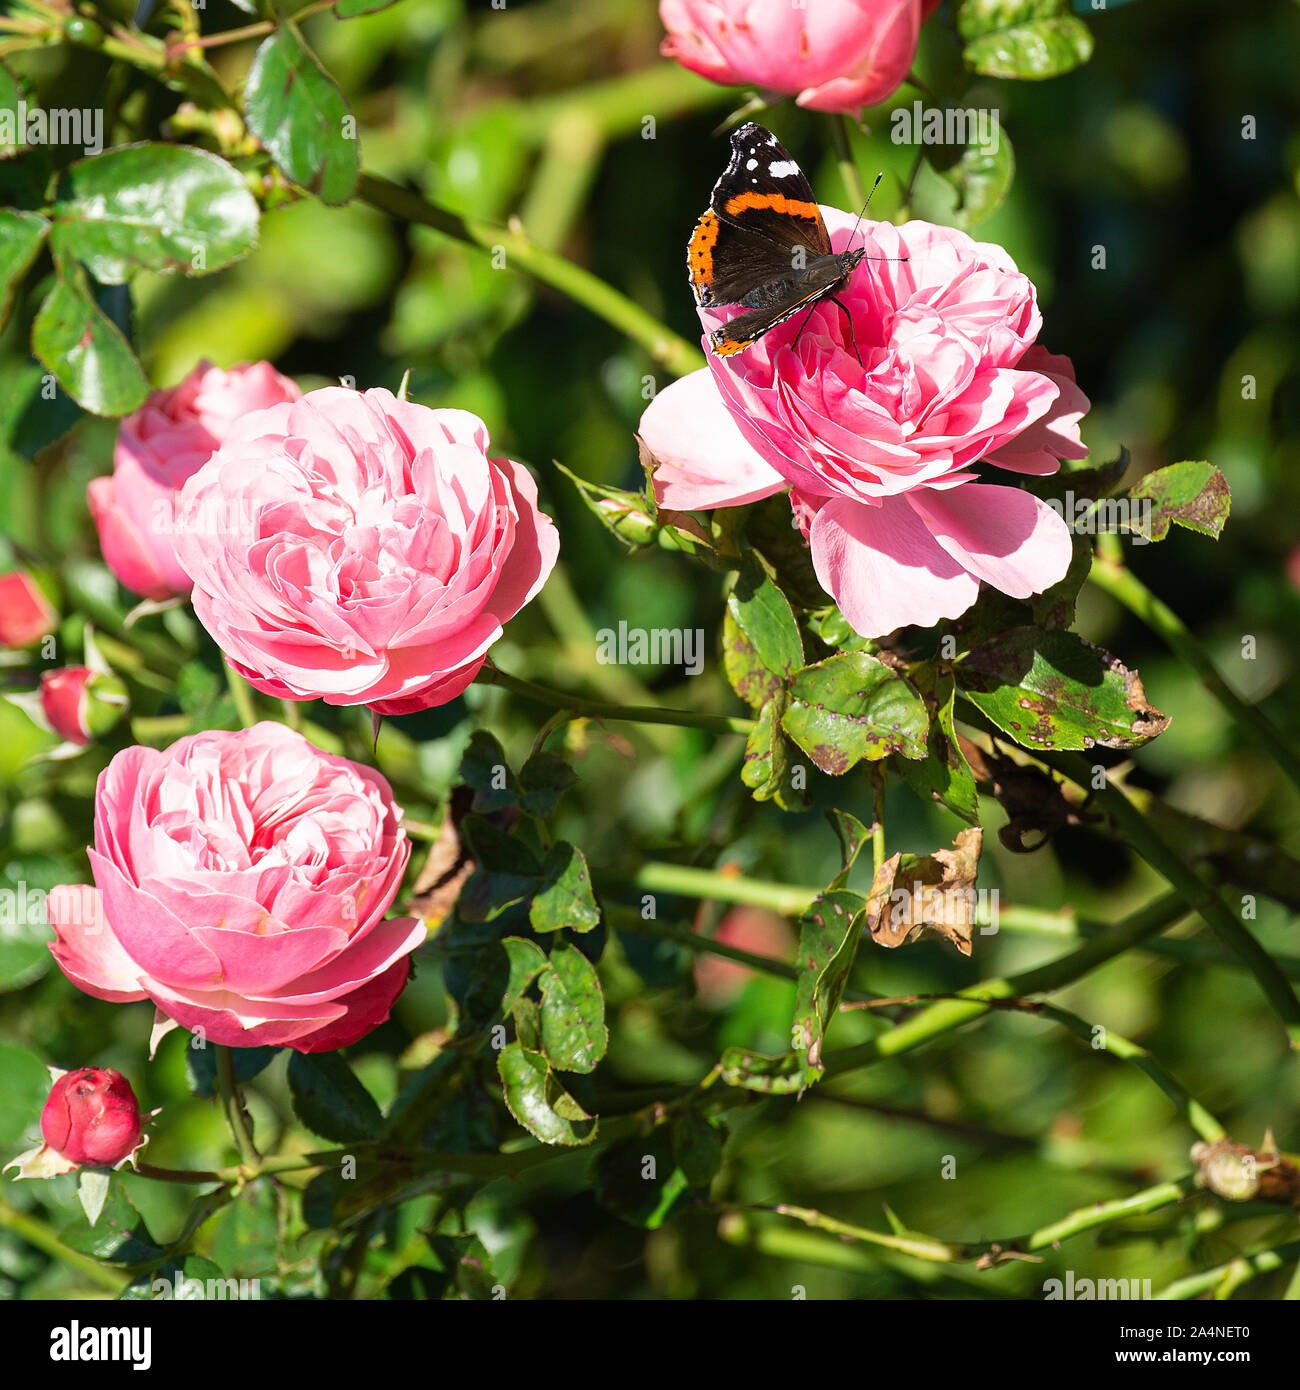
{"type": "Point", "coordinates": [783, 169]}
{"type": "Point", "coordinates": [751, 164]}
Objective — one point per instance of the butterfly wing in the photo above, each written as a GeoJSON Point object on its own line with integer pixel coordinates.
{"type": "Point", "coordinates": [761, 222]}
{"type": "Point", "coordinates": [746, 329]}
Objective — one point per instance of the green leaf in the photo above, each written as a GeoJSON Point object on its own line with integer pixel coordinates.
{"type": "Point", "coordinates": [1031, 52]}
{"type": "Point", "coordinates": [574, 1036]}
{"type": "Point", "coordinates": [697, 1147]}
{"type": "Point", "coordinates": [85, 350]}
{"type": "Point", "coordinates": [968, 182]}
{"type": "Point", "coordinates": [24, 931]}
{"type": "Point", "coordinates": [527, 961]}
{"type": "Point", "coordinates": [166, 208]}
{"type": "Point", "coordinates": [483, 767]}
{"type": "Point", "coordinates": [829, 933]}
{"type": "Point", "coordinates": [24, 1093]}
{"type": "Point", "coordinates": [180, 1277]}
{"type": "Point", "coordinates": [22, 234]}
{"type": "Point", "coordinates": [767, 762]}
{"type": "Point", "coordinates": [351, 9]}
{"type": "Point", "coordinates": [201, 1066]}
{"type": "Point", "coordinates": [564, 898]}
{"type": "Point", "coordinates": [1053, 690]}
{"type": "Point", "coordinates": [851, 707]}
{"type": "Point", "coordinates": [295, 110]}
{"type": "Point", "coordinates": [538, 1102]}
{"type": "Point", "coordinates": [752, 1071]}
{"type": "Point", "coordinates": [978, 17]}
{"type": "Point", "coordinates": [944, 775]}
{"type": "Point", "coordinates": [118, 1236]}
{"type": "Point", "coordinates": [1194, 495]}
{"type": "Point", "coordinates": [543, 780]}
{"type": "Point", "coordinates": [506, 871]}
{"type": "Point", "coordinates": [245, 1238]}
{"type": "Point", "coordinates": [761, 646]}
{"type": "Point", "coordinates": [330, 1101]}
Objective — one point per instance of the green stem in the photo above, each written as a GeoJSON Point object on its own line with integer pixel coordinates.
{"type": "Point", "coordinates": [242, 694]}
{"type": "Point", "coordinates": [234, 1109]}
{"type": "Point", "coordinates": [664, 347]}
{"type": "Point", "coordinates": [1123, 585]}
{"type": "Point", "coordinates": [602, 709]}
{"type": "Point", "coordinates": [693, 882]}
{"type": "Point", "coordinates": [1199, 896]}
{"type": "Point", "coordinates": [971, 1003]}
{"type": "Point", "coordinates": [1224, 1278]}
{"type": "Point", "coordinates": [36, 1232]}
{"type": "Point", "coordinates": [844, 157]}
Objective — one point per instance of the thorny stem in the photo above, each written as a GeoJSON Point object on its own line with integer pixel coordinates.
{"type": "Point", "coordinates": [233, 1107]}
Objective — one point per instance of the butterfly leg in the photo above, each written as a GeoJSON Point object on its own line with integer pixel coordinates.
{"type": "Point", "coordinates": [853, 337]}
{"type": "Point", "coordinates": [803, 323]}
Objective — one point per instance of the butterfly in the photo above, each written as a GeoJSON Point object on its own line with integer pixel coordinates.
{"type": "Point", "coordinates": [762, 244]}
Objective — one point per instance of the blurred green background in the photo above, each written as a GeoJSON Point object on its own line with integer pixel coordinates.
{"type": "Point", "coordinates": [539, 112]}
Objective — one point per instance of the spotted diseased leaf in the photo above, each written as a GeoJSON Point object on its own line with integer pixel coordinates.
{"type": "Point", "coordinates": [853, 837]}
{"type": "Point", "coordinates": [944, 775]}
{"type": "Point", "coordinates": [851, 707]}
{"type": "Point", "coordinates": [574, 1035]}
{"type": "Point", "coordinates": [294, 108]}
{"type": "Point", "coordinates": [1194, 495]}
{"type": "Point", "coordinates": [564, 897]}
{"type": "Point", "coordinates": [754, 1071]}
{"type": "Point", "coordinates": [85, 349]}
{"type": "Point", "coordinates": [165, 208]}
{"type": "Point", "coordinates": [1053, 690]}
{"type": "Point", "coordinates": [766, 768]}
{"type": "Point", "coordinates": [829, 933]}
{"type": "Point", "coordinates": [932, 895]}
{"type": "Point", "coordinates": [543, 780]}
{"type": "Point", "coordinates": [538, 1102]}
{"type": "Point", "coordinates": [761, 646]}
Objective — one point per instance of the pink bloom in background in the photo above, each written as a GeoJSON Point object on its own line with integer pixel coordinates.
{"type": "Point", "coordinates": [92, 1117]}
{"type": "Point", "coordinates": [25, 613]}
{"type": "Point", "coordinates": [63, 701]}
{"type": "Point", "coordinates": [241, 881]}
{"type": "Point", "coordinates": [361, 550]}
{"type": "Point", "coordinates": [752, 929]}
{"type": "Point", "coordinates": [158, 447]}
{"type": "Point", "coordinates": [831, 55]}
{"type": "Point", "coordinates": [880, 462]}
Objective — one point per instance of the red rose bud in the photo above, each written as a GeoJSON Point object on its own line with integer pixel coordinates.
{"type": "Point", "coordinates": [80, 703]}
{"type": "Point", "coordinates": [92, 1117]}
{"type": "Point", "coordinates": [25, 613]}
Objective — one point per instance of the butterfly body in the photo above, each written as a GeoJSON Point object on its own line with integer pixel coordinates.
{"type": "Point", "coordinates": [761, 243]}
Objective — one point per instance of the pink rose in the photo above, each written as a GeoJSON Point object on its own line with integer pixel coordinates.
{"type": "Point", "coordinates": [881, 461]}
{"type": "Point", "coordinates": [92, 1117]}
{"type": "Point", "coordinates": [241, 881]}
{"type": "Point", "coordinates": [172, 434]}
{"type": "Point", "coordinates": [361, 550]}
{"type": "Point", "coordinates": [80, 703]}
{"type": "Point", "coordinates": [25, 613]}
{"type": "Point", "coordinates": [832, 55]}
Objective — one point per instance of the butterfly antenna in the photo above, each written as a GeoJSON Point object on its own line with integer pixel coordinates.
{"type": "Point", "coordinates": [858, 223]}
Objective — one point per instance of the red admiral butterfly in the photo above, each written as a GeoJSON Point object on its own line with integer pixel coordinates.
{"type": "Point", "coordinates": [762, 244]}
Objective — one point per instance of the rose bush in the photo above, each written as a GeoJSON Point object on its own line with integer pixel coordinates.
{"type": "Point", "coordinates": [158, 448]}
{"type": "Point", "coordinates": [880, 457]}
{"type": "Point", "coordinates": [359, 549]}
{"type": "Point", "coordinates": [831, 55]}
{"type": "Point", "coordinates": [241, 881]}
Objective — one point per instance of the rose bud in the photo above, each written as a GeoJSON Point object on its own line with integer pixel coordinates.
{"type": "Point", "coordinates": [25, 613]}
{"type": "Point", "coordinates": [92, 1117]}
{"type": "Point", "coordinates": [81, 704]}
{"type": "Point", "coordinates": [158, 447]}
